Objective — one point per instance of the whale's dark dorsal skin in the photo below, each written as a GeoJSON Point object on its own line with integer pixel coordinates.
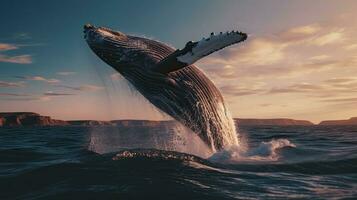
{"type": "Point", "coordinates": [170, 81]}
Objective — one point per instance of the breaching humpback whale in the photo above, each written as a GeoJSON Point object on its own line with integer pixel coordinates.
{"type": "Point", "coordinates": [168, 79]}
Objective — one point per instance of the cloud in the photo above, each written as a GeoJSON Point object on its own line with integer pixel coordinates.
{"type": "Point", "coordinates": [2, 94]}
{"type": "Point", "coordinates": [313, 34]}
{"type": "Point", "coordinates": [347, 100]}
{"type": "Point", "coordinates": [51, 93]}
{"type": "Point", "coordinates": [7, 47]}
{"type": "Point", "coordinates": [238, 91]}
{"type": "Point", "coordinates": [329, 38]}
{"type": "Point", "coordinates": [34, 98]}
{"type": "Point", "coordinates": [334, 87]}
{"type": "Point", "coordinates": [303, 30]}
{"type": "Point", "coordinates": [319, 57]}
{"type": "Point", "coordinates": [46, 96]}
{"type": "Point", "coordinates": [22, 99]}
{"type": "Point", "coordinates": [297, 51]}
{"type": "Point", "coordinates": [21, 59]}
{"type": "Point", "coordinates": [12, 84]}
{"type": "Point", "coordinates": [242, 89]}
{"type": "Point", "coordinates": [309, 69]}
{"type": "Point", "coordinates": [265, 104]}
{"type": "Point", "coordinates": [21, 36]}
{"type": "Point", "coordinates": [257, 51]}
{"type": "Point", "coordinates": [297, 88]}
{"type": "Point", "coordinates": [66, 73]}
{"type": "Point", "coordinates": [86, 87]}
{"type": "Point", "coordinates": [341, 80]}
{"type": "Point", "coordinates": [329, 88]}
{"type": "Point", "coordinates": [38, 78]}
{"type": "Point", "coordinates": [351, 47]}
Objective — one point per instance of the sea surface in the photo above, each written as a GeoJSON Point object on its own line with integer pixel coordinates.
{"type": "Point", "coordinates": [145, 163]}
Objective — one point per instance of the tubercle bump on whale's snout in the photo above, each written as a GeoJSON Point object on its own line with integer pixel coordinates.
{"type": "Point", "coordinates": [88, 27]}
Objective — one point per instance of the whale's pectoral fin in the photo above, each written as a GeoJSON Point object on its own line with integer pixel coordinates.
{"type": "Point", "coordinates": [194, 51]}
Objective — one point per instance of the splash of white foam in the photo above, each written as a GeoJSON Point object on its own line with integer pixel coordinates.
{"type": "Point", "coordinates": [266, 151]}
{"type": "Point", "coordinates": [170, 138]}
{"type": "Point", "coordinates": [192, 143]}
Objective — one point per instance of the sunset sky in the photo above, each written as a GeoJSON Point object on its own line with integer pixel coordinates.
{"type": "Point", "coordinates": [299, 60]}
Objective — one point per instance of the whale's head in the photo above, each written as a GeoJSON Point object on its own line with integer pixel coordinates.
{"type": "Point", "coordinates": [122, 51]}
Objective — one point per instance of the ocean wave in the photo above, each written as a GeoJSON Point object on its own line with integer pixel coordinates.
{"type": "Point", "coordinates": [127, 171]}
{"type": "Point", "coordinates": [15, 155]}
{"type": "Point", "coordinates": [342, 166]}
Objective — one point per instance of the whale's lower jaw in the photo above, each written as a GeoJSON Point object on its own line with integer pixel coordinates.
{"type": "Point", "coordinates": [190, 97]}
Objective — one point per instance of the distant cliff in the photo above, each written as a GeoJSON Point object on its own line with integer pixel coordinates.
{"type": "Point", "coordinates": [90, 123]}
{"type": "Point", "coordinates": [28, 119]}
{"type": "Point", "coordinates": [9, 119]}
{"type": "Point", "coordinates": [122, 123]}
{"type": "Point", "coordinates": [272, 122]}
{"type": "Point", "coordinates": [148, 123]}
{"type": "Point", "coordinates": [351, 121]}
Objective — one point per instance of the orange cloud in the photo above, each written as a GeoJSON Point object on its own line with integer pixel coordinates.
{"type": "Point", "coordinates": [329, 38]}
{"type": "Point", "coordinates": [22, 59]}
{"type": "Point", "coordinates": [46, 96]}
{"type": "Point", "coordinates": [7, 47]}
{"type": "Point", "coordinates": [86, 87]}
{"type": "Point", "coordinates": [295, 52]}
{"type": "Point", "coordinates": [67, 73]}
{"type": "Point", "coordinates": [12, 84]}
{"type": "Point", "coordinates": [39, 78]}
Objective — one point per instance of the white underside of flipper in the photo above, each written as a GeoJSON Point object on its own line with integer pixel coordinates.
{"type": "Point", "coordinates": [210, 45]}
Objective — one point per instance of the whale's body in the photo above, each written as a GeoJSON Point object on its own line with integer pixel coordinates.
{"type": "Point", "coordinates": [168, 79]}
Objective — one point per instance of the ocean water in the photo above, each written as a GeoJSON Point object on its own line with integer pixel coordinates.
{"type": "Point", "coordinates": [145, 163]}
